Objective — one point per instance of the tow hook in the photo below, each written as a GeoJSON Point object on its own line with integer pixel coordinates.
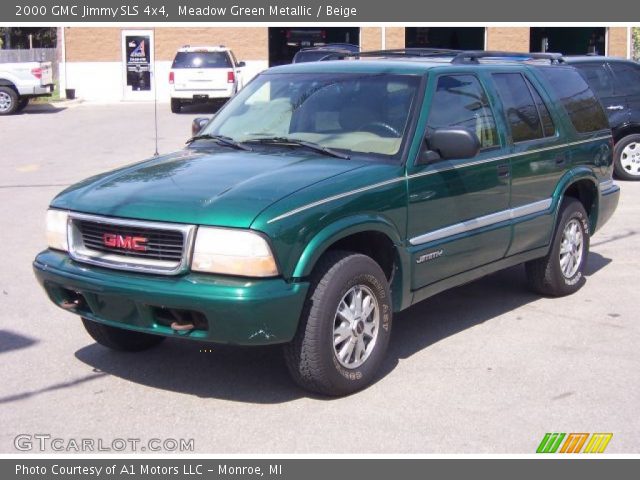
{"type": "Point", "coordinates": [67, 305]}
{"type": "Point", "coordinates": [182, 327]}
{"type": "Point", "coordinates": [181, 324]}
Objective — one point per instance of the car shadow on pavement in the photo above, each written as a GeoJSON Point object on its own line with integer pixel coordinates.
{"type": "Point", "coordinates": [39, 108]}
{"type": "Point", "coordinates": [463, 307]}
{"type": "Point", "coordinates": [14, 341]}
{"type": "Point", "coordinates": [259, 374]}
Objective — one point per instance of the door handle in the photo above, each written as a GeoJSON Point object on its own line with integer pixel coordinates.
{"type": "Point", "coordinates": [503, 170]}
{"type": "Point", "coordinates": [560, 159]}
{"type": "Point", "coordinates": [615, 107]}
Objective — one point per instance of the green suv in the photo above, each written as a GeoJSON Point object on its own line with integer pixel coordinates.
{"type": "Point", "coordinates": [326, 196]}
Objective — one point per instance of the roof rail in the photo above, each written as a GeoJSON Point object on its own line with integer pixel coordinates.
{"type": "Point", "coordinates": [409, 52]}
{"type": "Point", "coordinates": [461, 56]}
{"type": "Point", "coordinates": [473, 56]}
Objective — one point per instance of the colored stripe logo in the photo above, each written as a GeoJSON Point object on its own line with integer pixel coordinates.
{"type": "Point", "coordinates": [573, 443]}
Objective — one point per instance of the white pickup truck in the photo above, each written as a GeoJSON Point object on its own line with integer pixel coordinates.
{"type": "Point", "coordinates": [21, 81]}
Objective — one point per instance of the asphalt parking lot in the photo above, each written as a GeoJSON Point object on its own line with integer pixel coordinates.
{"type": "Point", "coordinates": [485, 368]}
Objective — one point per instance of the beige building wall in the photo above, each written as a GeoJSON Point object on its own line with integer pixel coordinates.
{"type": "Point", "coordinates": [617, 42]}
{"type": "Point", "coordinates": [513, 39]}
{"type": "Point", "coordinates": [371, 38]}
{"type": "Point", "coordinates": [97, 44]}
{"type": "Point", "coordinates": [93, 44]}
{"type": "Point", "coordinates": [394, 37]}
{"type": "Point", "coordinates": [251, 43]}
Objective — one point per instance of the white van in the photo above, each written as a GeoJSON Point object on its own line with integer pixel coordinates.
{"type": "Point", "coordinates": [204, 74]}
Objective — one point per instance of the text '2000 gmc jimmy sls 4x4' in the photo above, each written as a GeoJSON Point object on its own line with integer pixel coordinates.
{"type": "Point", "coordinates": [326, 196]}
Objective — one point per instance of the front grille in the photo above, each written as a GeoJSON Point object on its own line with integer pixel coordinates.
{"type": "Point", "coordinates": [130, 244]}
{"type": "Point", "coordinates": [164, 245]}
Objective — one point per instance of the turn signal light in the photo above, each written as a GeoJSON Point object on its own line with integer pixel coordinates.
{"type": "Point", "coordinates": [231, 77]}
{"type": "Point", "coordinates": [171, 78]}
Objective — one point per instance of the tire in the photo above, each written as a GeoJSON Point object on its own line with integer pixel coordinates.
{"type": "Point", "coordinates": [8, 100]}
{"type": "Point", "coordinates": [22, 104]}
{"type": "Point", "coordinates": [311, 357]}
{"type": "Point", "coordinates": [119, 338]}
{"type": "Point", "coordinates": [626, 158]}
{"type": "Point", "coordinates": [176, 105]}
{"type": "Point", "coordinates": [558, 274]}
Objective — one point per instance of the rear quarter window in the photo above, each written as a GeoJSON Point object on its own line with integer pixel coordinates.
{"type": "Point", "coordinates": [202, 60]}
{"type": "Point", "coordinates": [573, 93]}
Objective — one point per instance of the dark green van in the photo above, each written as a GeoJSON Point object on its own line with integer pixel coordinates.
{"type": "Point", "coordinates": [326, 196]}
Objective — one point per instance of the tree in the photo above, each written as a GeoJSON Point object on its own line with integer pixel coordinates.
{"type": "Point", "coordinates": [635, 35]}
{"type": "Point", "coordinates": [18, 37]}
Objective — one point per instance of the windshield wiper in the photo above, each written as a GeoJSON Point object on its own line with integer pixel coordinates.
{"type": "Point", "coordinates": [220, 139]}
{"type": "Point", "coordinates": [301, 143]}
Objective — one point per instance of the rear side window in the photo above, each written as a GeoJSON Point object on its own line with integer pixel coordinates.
{"type": "Point", "coordinates": [521, 110]}
{"type": "Point", "coordinates": [202, 60]}
{"type": "Point", "coordinates": [460, 101]}
{"type": "Point", "coordinates": [627, 78]}
{"type": "Point", "coordinates": [548, 128]}
{"type": "Point", "coordinates": [598, 78]}
{"type": "Point", "coordinates": [577, 98]}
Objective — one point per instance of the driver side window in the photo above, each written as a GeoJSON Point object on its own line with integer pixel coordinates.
{"type": "Point", "coordinates": [460, 101]}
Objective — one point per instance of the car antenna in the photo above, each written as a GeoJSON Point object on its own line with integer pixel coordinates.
{"type": "Point", "coordinates": [155, 100]}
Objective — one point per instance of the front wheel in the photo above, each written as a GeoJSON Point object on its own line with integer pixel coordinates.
{"type": "Point", "coordinates": [119, 338]}
{"type": "Point", "coordinates": [345, 326]}
{"type": "Point", "coordinates": [560, 272]}
{"type": "Point", "coordinates": [626, 158]}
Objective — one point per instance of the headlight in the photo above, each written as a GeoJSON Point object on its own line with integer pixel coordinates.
{"type": "Point", "coordinates": [57, 229]}
{"type": "Point", "coordinates": [232, 252]}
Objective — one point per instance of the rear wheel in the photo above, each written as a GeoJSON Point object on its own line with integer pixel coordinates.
{"type": "Point", "coordinates": [626, 155]}
{"type": "Point", "coordinates": [8, 100]}
{"type": "Point", "coordinates": [22, 104]}
{"type": "Point", "coordinates": [345, 326]}
{"type": "Point", "coordinates": [176, 105]}
{"type": "Point", "coordinates": [560, 272]}
{"type": "Point", "coordinates": [119, 338]}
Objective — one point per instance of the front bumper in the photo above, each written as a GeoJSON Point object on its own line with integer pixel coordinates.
{"type": "Point", "coordinates": [237, 311]}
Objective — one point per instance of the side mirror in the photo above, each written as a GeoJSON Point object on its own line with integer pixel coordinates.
{"type": "Point", "coordinates": [198, 124]}
{"type": "Point", "coordinates": [449, 143]}
{"type": "Point", "coordinates": [241, 64]}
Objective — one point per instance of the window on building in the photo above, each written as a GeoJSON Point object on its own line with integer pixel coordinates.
{"type": "Point", "coordinates": [460, 101]}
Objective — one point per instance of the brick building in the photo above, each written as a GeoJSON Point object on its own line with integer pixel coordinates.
{"type": "Point", "coordinates": [94, 58]}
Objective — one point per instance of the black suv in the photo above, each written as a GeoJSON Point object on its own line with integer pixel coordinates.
{"type": "Point", "coordinates": [333, 51]}
{"type": "Point", "coordinates": [617, 83]}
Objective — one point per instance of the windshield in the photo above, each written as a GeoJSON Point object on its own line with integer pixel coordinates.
{"type": "Point", "coordinates": [366, 113]}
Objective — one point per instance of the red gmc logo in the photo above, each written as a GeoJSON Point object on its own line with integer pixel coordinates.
{"type": "Point", "coordinates": [125, 242]}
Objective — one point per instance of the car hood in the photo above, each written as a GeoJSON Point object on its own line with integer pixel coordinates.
{"type": "Point", "coordinates": [226, 188]}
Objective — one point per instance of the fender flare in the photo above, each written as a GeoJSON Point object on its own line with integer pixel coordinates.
{"type": "Point", "coordinates": [358, 224]}
{"type": "Point", "coordinates": [567, 180]}
{"type": "Point", "coordinates": [338, 230]}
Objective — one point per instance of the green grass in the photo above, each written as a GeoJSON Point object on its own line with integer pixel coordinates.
{"type": "Point", "coordinates": [55, 96]}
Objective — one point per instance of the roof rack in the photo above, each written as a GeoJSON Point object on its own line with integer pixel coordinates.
{"type": "Point", "coordinates": [462, 56]}
{"type": "Point", "coordinates": [409, 52]}
{"type": "Point", "coordinates": [472, 56]}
